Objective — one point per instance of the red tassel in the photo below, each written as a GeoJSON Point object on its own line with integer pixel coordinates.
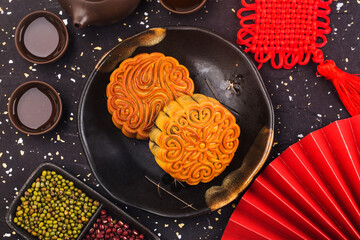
{"type": "Point", "coordinates": [347, 85]}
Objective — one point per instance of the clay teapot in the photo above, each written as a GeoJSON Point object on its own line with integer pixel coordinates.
{"type": "Point", "coordinates": [98, 12]}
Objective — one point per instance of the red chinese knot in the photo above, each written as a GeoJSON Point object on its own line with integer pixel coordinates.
{"type": "Point", "coordinates": [285, 32]}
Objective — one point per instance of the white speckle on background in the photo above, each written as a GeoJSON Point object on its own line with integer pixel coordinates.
{"type": "Point", "coordinates": [9, 171]}
{"type": "Point", "coordinates": [339, 5]}
{"type": "Point", "coordinates": [20, 141]}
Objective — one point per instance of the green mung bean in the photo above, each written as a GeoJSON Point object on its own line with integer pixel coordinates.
{"type": "Point", "coordinates": [53, 208]}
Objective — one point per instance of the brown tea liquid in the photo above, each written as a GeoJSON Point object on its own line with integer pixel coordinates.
{"type": "Point", "coordinates": [36, 109]}
{"type": "Point", "coordinates": [40, 38]}
{"type": "Point", "coordinates": [182, 5]}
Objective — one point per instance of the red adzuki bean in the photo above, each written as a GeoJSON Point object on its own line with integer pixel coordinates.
{"type": "Point", "coordinates": [106, 227]}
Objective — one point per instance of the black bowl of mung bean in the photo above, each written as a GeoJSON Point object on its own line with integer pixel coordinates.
{"type": "Point", "coordinates": [52, 204]}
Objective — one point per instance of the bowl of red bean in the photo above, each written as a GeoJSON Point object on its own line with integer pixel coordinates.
{"type": "Point", "coordinates": [53, 204]}
{"type": "Point", "coordinates": [107, 227]}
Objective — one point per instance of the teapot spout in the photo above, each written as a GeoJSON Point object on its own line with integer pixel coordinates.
{"type": "Point", "coordinates": [77, 25]}
{"type": "Point", "coordinates": [80, 20]}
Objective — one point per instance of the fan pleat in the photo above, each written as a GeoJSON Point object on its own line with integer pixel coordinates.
{"type": "Point", "coordinates": [343, 140]}
{"type": "Point", "coordinates": [241, 232]}
{"type": "Point", "coordinates": [295, 192]}
{"type": "Point", "coordinates": [281, 215]}
{"type": "Point", "coordinates": [336, 199]}
{"type": "Point", "coordinates": [311, 191]}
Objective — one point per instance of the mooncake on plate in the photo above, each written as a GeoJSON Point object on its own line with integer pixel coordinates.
{"type": "Point", "coordinates": [194, 138]}
{"type": "Point", "coordinates": [141, 87]}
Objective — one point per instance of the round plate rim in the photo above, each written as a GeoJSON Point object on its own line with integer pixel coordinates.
{"type": "Point", "coordinates": [103, 59]}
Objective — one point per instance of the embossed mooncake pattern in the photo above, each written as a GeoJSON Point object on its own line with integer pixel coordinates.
{"type": "Point", "coordinates": [194, 139]}
{"type": "Point", "coordinates": [141, 87]}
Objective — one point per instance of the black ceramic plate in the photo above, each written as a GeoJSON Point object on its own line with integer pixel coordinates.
{"type": "Point", "coordinates": [126, 168]}
{"type": "Point", "coordinates": [112, 209]}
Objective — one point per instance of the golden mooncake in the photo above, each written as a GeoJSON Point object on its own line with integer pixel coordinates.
{"type": "Point", "coordinates": [141, 87]}
{"type": "Point", "coordinates": [194, 138]}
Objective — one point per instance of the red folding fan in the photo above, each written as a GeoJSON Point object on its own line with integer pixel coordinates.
{"type": "Point", "coordinates": [311, 191]}
{"type": "Point", "coordinates": [290, 32]}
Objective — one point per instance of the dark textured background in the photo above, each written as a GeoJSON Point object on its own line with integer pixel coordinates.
{"type": "Point", "coordinates": [302, 102]}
